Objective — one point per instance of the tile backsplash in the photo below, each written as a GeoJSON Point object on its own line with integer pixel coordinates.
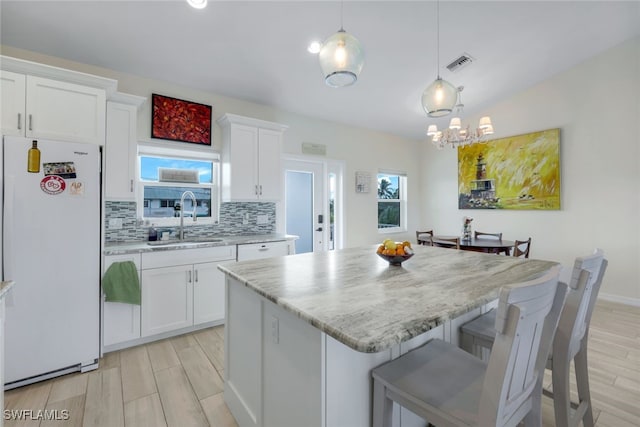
{"type": "Point", "coordinates": [232, 216]}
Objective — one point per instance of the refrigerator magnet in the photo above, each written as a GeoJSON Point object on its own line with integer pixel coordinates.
{"type": "Point", "coordinates": [62, 169]}
{"type": "Point", "coordinates": [76, 188]}
{"type": "Point", "coordinates": [52, 184]}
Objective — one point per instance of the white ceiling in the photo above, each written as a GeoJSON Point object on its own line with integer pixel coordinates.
{"type": "Point", "coordinates": [257, 50]}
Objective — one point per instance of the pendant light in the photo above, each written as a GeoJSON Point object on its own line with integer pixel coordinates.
{"type": "Point", "coordinates": [439, 98]}
{"type": "Point", "coordinates": [341, 58]}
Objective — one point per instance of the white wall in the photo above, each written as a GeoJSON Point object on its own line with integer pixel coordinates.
{"type": "Point", "coordinates": [360, 149]}
{"type": "Point", "coordinates": [596, 105]}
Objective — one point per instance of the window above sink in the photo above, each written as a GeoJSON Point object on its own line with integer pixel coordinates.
{"type": "Point", "coordinates": [164, 174]}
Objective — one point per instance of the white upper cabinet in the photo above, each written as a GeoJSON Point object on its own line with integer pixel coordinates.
{"type": "Point", "coordinates": [121, 148]}
{"type": "Point", "coordinates": [12, 90]}
{"type": "Point", "coordinates": [40, 101]}
{"type": "Point", "coordinates": [251, 151]}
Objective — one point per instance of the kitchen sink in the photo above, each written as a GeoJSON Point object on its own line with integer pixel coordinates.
{"type": "Point", "coordinates": [191, 241]}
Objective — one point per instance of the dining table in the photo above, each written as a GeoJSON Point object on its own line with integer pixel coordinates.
{"type": "Point", "coordinates": [479, 244]}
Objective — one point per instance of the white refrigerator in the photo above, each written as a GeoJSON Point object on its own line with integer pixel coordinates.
{"type": "Point", "coordinates": [51, 249]}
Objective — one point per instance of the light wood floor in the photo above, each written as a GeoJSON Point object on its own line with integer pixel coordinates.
{"type": "Point", "coordinates": [177, 382]}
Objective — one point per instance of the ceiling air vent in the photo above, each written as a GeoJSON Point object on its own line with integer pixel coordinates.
{"type": "Point", "coordinates": [178, 175]}
{"type": "Point", "coordinates": [460, 62]}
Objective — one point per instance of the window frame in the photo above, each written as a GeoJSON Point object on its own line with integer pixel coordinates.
{"type": "Point", "coordinates": [145, 150]}
{"type": "Point", "coordinates": [402, 200]}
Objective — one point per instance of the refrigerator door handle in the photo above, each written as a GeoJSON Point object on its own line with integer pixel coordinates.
{"type": "Point", "coordinates": [9, 203]}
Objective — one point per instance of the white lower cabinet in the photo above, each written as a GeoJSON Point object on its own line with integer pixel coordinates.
{"type": "Point", "coordinates": [182, 288]}
{"type": "Point", "coordinates": [121, 322]}
{"type": "Point", "coordinates": [167, 299]}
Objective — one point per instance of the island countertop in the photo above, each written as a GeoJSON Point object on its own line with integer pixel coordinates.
{"type": "Point", "coordinates": [360, 300]}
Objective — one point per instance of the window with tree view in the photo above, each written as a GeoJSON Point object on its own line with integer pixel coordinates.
{"type": "Point", "coordinates": [391, 202]}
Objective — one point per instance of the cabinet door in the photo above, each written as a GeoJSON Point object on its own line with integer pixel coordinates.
{"type": "Point", "coordinates": [121, 322]}
{"type": "Point", "coordinates": [65, 111]}
{"type": "Point", "coordinates": [243, 153]}
{"type": "Point", "coordinates": [120, 152]}
{"type": "Point", "coordinates": [269, 171]}
{"type": "Point", "coordinates": [12, 95]}
{"type": "Point", "coordinates": [208, 293]}
{"type": "Point", "coordinates": [167, 299]}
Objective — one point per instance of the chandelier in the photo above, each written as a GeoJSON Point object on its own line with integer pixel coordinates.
{"type": "Point", "coordinates": [457, 135]}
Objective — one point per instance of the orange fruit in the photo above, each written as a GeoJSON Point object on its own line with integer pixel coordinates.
{"type": "Point", "coordinates": [406, 243]}
{"type": "Point", "coordinates": [380, 249]}
{"type": "Point", "coordinates": [400, 251]}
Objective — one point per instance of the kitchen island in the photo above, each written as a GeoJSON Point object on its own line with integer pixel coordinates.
{"type": "Point", "coordinates": [303, 332]}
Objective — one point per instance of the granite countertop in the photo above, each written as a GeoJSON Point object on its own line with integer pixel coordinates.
{"type": "Point", "coordinates": [120, 248]}
{"type": "Point", "coordinates": [357, 298]}
{"type": "Point", "coordinates": [4, 287]}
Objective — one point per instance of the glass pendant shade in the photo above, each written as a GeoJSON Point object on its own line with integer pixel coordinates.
{"type": "Point", "coordinates": [439, 98]}
{"type": "Point", "coordinates": [197, 4]}
{"type": "Point", "coordinates": [341, 59]}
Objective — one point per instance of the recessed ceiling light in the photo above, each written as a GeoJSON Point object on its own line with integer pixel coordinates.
{"type": "Point", "coordinates": [197, 4]}
{"type": "Point", "coordinates": [314, 46]}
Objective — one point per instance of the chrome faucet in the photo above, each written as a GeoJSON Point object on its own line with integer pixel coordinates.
{"type": "Point", "coordinates": [193, 212]}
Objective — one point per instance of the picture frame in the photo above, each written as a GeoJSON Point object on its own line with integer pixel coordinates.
{"type": "Point", "coordinates": [179, 120]}
{"type": "Point", "coordinates": [520, 172]}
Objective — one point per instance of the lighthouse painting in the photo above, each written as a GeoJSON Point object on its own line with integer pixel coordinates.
{"type": "Point", "coordinates": [518, 172]}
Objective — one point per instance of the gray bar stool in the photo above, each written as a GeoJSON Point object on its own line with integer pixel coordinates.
{"type": "Point", "coordinates": [570, 342]}
{"type": "Point", "coordinates": [449, 387]}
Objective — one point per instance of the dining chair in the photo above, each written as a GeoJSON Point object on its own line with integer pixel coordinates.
{"type": "Point", "coordinates": [449, 387]}
{"type": "Point", "coordinates": [570, 342]}
{"type": "Point", "coordinates": [521, 248]}
{"type": "Point", "coordinates": [482, 234]}
{"type": "Point", "coordinates": [455, 240]}
{"type": "Point", "coordinates": [426, 238]}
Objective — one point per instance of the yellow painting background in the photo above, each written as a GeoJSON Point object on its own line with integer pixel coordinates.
{"type": "Point", "coordinates": [526, 170]}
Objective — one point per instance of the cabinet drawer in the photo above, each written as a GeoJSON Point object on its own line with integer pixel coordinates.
{"type": "Point", "coordinates": [187, 256]}
{"type": "Point", "coordinates": [110, 259]}
{"type": "Point", "coordinates": [262, 250]}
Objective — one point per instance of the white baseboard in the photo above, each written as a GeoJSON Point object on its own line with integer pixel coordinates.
{"type": "Point", "coordinates": [622, 300]}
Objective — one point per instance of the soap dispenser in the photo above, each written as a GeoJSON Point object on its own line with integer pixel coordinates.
{"type": "Point", "coordinates": [153, 233]}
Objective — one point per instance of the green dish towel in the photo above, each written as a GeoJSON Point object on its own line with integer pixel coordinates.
{"type": "Point", "coordinates": [120, 283]}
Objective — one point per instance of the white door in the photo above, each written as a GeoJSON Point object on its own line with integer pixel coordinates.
{"type": "Point", "coordinates": [305, 205]}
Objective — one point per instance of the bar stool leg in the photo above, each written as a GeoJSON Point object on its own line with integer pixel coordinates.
{"type": "Point", "coordinates": [582, 380]}
{"type": "Point", "coordinates": [382, 406]}
{"type": "Point", "coordinates": [561, 390]}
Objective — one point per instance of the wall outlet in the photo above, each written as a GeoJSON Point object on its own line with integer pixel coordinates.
{"type": "Point", "coordinates": [262, 219]}
{"type": "Point", "coordinates": [115, 224]}
{"type": "Point", "coordinates": [245, 218]}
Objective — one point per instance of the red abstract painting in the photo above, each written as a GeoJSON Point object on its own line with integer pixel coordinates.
{"type": "Point", "coordinates": [180, 120]}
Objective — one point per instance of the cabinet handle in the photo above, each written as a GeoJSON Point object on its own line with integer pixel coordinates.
{"type": "Point", "coordinates": [256, 189]}
{"type": "Point", "coordinates": [196, 276]}
{"type": "Point", "coordinates": [19, 121]}
{"type": "Point", "coordinates": [261, 189]}
{"type": "Point", "coordinates": [189, 279]}
{"type": "Point", "coordinates": [30, 122]}
{"type": "Point", "coordinates": [131, 186]}
{"type": "Point", "coordinates": [263, 248]}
